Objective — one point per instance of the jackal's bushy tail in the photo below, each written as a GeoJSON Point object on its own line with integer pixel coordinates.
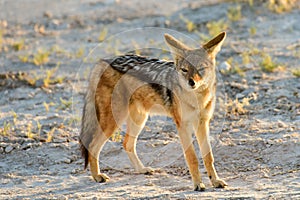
{"type": "Point", "coordinates": [89, 124]}
{"type": "Point", "coordinates": [89, 127]}
{"type": "Point", "coordinates": [85, 135]}
{"type": "Point", "coordinates": [84, 154]}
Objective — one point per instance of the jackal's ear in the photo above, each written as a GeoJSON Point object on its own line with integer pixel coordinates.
{"type": "Point", "coordinates": [214, 45]}
{"type": "Point", "coordinates": [177, 48]}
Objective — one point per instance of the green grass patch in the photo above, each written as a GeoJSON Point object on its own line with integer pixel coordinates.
{"type": "Point", "coordinates": [65, 104]}
{"type": "Point", "coordinates": [296, 73]}
{"type": "Point", "coordinates": [215, 27]}
{"type": "Point", "coordinates": [267, 64]}
{"type": "Point", "coordinates": [252, 30]}
{"type": "Point", "coordinates": [116, 137]}
{"type": "Point", "coordinates": [235, 13]}
{"type": "Point", "coordinates": [235, 68]}
{"type": "Point", "coordinates": [41, 57]}
{"type": "Point", "coordinates": [79, 53]}
{"type": "Point", "coordinates": [190, 26]}
{"type": "Point", "coordinates": [238, 107]}
{"type": "Point", "coordinates": [17, 46]}
{"type": "Point", "coordinates": [50, 134]}
{"type": "Point", "coordinates": [102, 34]}
{"type": "Point", "coordinates": [281, 6]}
{"type": "Point", "coordinates": [6, 129]}
{"type": "Point", "coordinates": [50, 78]}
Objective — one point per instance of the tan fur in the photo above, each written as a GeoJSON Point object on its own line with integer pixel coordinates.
{"type": "Point", "coordinates": [114, 98]}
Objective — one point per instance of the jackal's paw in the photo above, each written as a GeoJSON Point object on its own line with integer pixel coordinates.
{"type": "Point", "coordinates": [147, 170]}
{"type": "Point", "coordinates": [199, 187]}
{"type": "Point", "coordinates": [219, 183]}
{"type": "Point", "coordinates": [101, 178]}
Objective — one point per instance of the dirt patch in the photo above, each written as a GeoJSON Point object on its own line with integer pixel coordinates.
{"type": "Point", "coordinates": [255, 135]}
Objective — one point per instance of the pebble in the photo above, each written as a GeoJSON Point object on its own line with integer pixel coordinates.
{"type": "Point", "coordinates": [224, 67]}
{"type": "Point", "coordinates": [250, 66]}
{"type": "Point", "coordinates": [48, 14]}
{"type": "Point", "coordinates": [8, 149]}
{"type": "Point", "coordinates": [62, 197]}
{"type": "Point", "coordinates": [59, 140]}
{"type": "Point", "coordinates": [74, 171]}
{"type": "Point", "coordinates": [239, 96]}
{"type": "Point", "coordinates": [281, 124]}
{"type": "Point", "coordinates": [26, 146]}
{"type": "Point", "coordinates": [63, 160]}
{"type": "Point", "coordinates": [121, 191]}
{"type": "Point", "coordinates": [167, 23]}
{"type": "Point", "coordinates": [248, 91]}
{"type": "Point", "coordinates": [265, 175]}
{"type": "Point", "coordinates": [73, 144]}
{"type": "Point", "coordinates": [67, 160]}
{"type": "Point", "coordinates": [30, 162]}
{"type": "Point", "coordinates": [3, 144]}
{"type": "Point", "coordinates": [5, 181]}
{"type": "Point", "coordinates": [3, 23]}
{"type": "Point", "coordinates": [52, 116]}
{"type": "Point", "coordinates": [149, 184]}
{"type": "Point", "coordinates": [239, 86]}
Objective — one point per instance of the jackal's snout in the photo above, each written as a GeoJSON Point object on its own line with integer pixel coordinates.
{"type": "Point", "coordinates": [192, 82]}
{"type": "Point", "coordinates": [195, 81]}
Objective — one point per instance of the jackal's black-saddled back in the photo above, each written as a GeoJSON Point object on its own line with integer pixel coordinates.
{"type": "Point", "coordinates": [159, 74]}
{"type": "Point", "coordinates": [150, 70]}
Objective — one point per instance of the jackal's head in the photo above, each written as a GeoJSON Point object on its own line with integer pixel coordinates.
{"type": "Point", "coordinates": [197, 66]}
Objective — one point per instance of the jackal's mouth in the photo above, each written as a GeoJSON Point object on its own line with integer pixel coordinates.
{"type": "Point", "coordinates": [201, 86]}
{"type": "Point", "coordinates": [205, 82]}
{"type": "Point", "coordinates": [196, 85]}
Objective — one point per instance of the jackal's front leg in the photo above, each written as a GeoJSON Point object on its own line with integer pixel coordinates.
{"type": "Point", "coordinates": [185, 134]}
{"type": "Point", "coordinates": [135, 124]}
{"type": "Point", "coordinates": [202, 135]}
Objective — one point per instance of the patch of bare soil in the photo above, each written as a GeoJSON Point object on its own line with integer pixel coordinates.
{"type": "Point", "coordinates": [255, 132]}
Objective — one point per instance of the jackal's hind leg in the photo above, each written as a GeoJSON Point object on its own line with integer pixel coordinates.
{"type": "Point", "coordinates": [94, 150]}
{"type": "Point", "coordinates": [94, 166]}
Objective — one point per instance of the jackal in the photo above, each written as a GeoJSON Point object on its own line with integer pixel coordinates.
{"type": "Point", "coordinates": [130, 87]}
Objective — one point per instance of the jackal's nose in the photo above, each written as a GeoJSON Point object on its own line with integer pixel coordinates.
{"type": "Point", "coordinates": [191, 82]}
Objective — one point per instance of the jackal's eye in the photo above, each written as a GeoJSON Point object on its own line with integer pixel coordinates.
{"type": "Point", "coordinates": [202, 69]}
{"type": "Point", "coordinates": [184, 70]}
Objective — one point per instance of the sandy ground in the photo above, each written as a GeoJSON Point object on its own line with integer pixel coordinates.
{"type": "Point", "coordinates": [256, 145]}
